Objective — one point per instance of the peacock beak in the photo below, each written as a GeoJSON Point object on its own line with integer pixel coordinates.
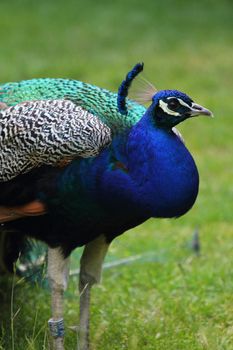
{"type": "Point", "coordinates": [199, 110]}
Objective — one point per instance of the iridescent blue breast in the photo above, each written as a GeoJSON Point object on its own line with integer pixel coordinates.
{"type": "Point", "coordinates": [165, 173]}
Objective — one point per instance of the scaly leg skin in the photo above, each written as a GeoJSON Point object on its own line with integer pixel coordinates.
{"type": "Point", "coordinates": [58, 272]}
{"type": "Point", "coordinates": [90, 273]}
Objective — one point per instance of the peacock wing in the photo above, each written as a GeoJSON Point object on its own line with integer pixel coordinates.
{"type": "Point", "coordinates": [49, 132]}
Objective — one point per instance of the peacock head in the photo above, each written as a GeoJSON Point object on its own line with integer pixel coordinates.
{"type": "Point", "coordinates": [170, 107]}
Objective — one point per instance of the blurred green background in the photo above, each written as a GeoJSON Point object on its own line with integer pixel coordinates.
{"type": "Point", "coordinates": [168, 298]}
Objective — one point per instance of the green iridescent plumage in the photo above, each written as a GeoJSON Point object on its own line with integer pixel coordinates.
{"type": "Point", "coordinates": [100, 102]}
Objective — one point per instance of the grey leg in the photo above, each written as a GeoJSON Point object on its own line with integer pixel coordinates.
{"type": "Point", "coordinates": [90, 273]}
{"type": "Point", "coordinates": [58, 270]}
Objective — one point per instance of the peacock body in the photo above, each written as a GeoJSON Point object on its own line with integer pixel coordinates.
{"type": "Point", "coordinates": [147, 171]}
{"type": "Point", "coordinates": [144, 173]}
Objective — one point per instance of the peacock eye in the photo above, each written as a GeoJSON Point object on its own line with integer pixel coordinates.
{"type": "Point", "coordinates": [173, 104]}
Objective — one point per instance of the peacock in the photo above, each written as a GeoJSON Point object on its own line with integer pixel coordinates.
{"type": "Point", "coordinates": [146, 171]}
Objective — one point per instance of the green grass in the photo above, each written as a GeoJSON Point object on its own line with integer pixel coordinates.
{"type": "Point", "coordinates": [169, 299]}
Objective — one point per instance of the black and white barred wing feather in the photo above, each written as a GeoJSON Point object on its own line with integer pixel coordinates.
{"type": "Point", "coordinates": [47, 132]}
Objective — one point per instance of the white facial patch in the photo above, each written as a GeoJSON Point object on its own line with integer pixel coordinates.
{"type": "Point", "coordinates": [165, 108]}
{"type": "Point", "coordinates": [183, 103]}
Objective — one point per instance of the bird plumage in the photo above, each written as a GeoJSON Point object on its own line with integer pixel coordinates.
{"type": "Point", "coordinates": [146, 172]}
{"type": "Point", "coordinates": [37, 133]}
{"type": "Point", "coordinates": [147, 168]}
{"type": "Point", "coordinates": [95, 100]}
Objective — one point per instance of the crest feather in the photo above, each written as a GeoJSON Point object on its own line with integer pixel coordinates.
{"type": "Point", "coordinates": [142, 95]}
{"type": "Point", "coordinates": [142, 90]}
{"type": "Point", "coordinates": [124, 87]}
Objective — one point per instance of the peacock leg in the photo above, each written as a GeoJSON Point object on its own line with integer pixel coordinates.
{"type": "Point", "coordinates": [58, 271]}
{"type": "Point", "coordinates": [90, 273]}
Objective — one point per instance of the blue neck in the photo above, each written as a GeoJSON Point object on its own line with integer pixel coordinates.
{"type": "Point", "coordinates": [166, 174]}
{"type": "Point", "coordinates": [147, 171]}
